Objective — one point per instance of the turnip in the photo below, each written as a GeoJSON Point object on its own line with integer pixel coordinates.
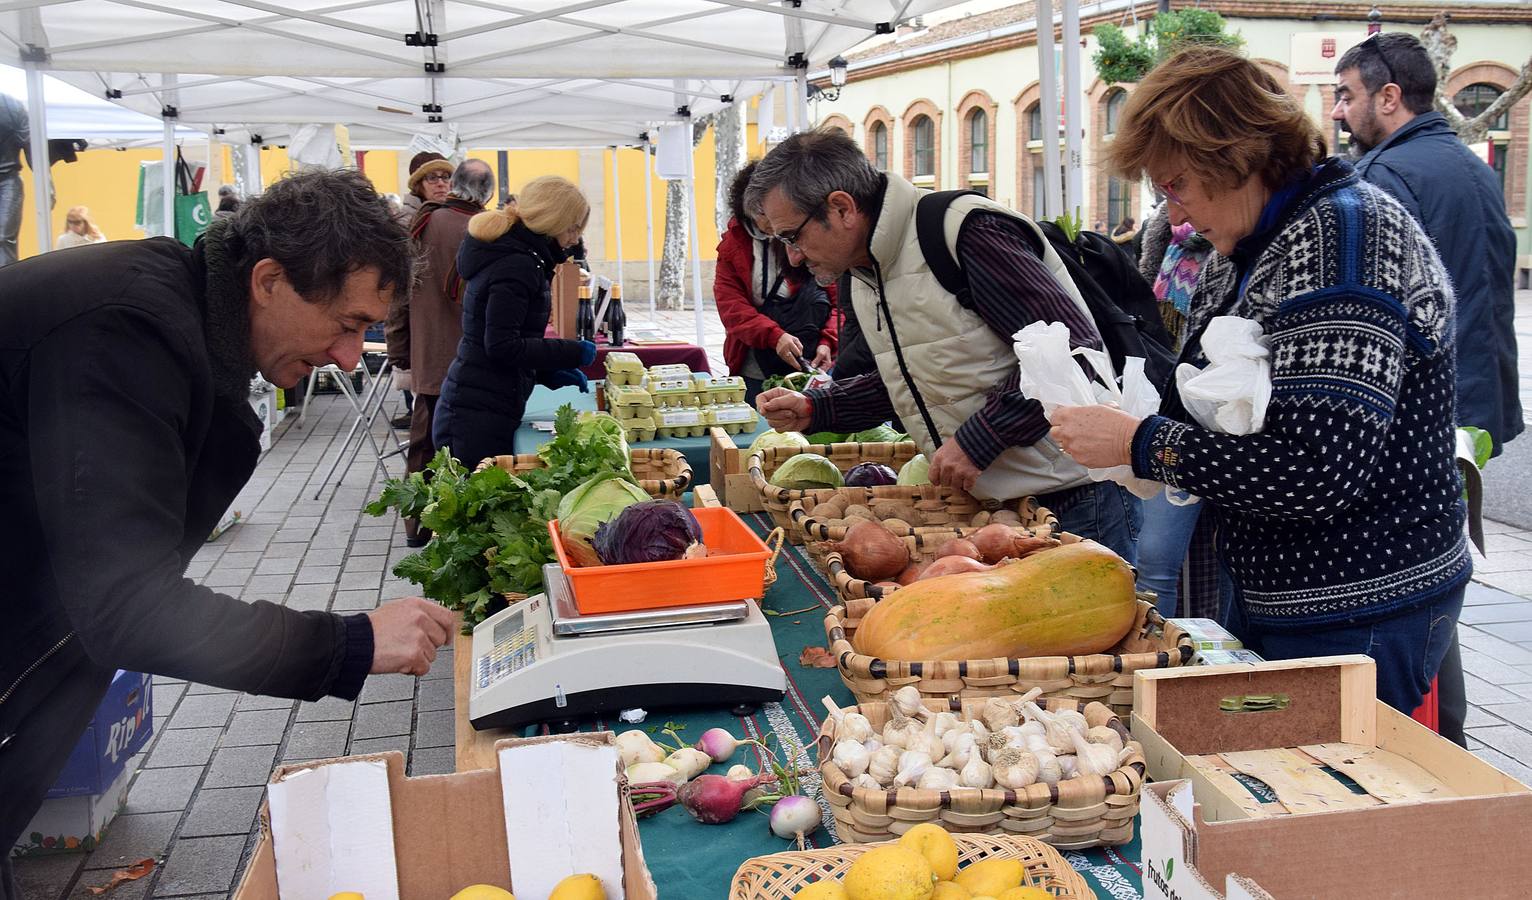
{"type": "Point", "coordinates": [653, 797]}
{"type": "Point", "coordinates": [689, 761]}
{"type": "Point", "coordinates": [719, 744]}
{"type": "Point", "coordinates": [714, 799]}
{"type": "Point", "coordinates": [637, 747]}
{"type": "Point", "coordinates": [647, 772]}
{"type": "Point", "coordinates": [794, 817]}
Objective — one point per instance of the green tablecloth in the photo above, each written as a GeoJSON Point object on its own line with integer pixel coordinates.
{"type": "Point", "coordinates": [691, 860]}
{"type": "Point", "coordinates": [544, 402]}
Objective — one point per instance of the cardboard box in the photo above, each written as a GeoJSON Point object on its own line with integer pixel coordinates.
{"type": "Point", "coordinates": [1169, 840]}
{"type": "Point", "coordinates": [72, 824]}
{"type": "Point", "coordinates": [565, 293]}
{"type": "Point", "coordinates": [121, 727]}
{"type": "Point", "coordinates": [1262, 745]}
{"type": "Point", "coordinates": [264, 403]}
{"type": "Point", "coordinates": [445, 831]}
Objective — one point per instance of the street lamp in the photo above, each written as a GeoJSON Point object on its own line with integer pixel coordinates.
{"type": "Point", "coordinates": [838, 67]}
{"type": "Point", "coordinates": [1374, 20]}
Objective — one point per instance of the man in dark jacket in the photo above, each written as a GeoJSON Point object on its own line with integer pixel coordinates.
{"type": "Point", "coordinates": [126, 431]}
{"type": "Point", "coordinates": [1384, 92]}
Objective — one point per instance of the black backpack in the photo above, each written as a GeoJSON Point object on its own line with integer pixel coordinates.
{"type": "Point", "coordinates": [1120, 301]}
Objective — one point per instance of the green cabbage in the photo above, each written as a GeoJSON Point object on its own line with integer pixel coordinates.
{"type": "Point", "coordinates": [807, 471]}
{"type": "Point", "coordinates": [827, 437]}
{"type": "Point", "coordinates": [770, 438]}
{"type": "Point", "coordinates": [882, 433]}
{"type": "Point", "coordinates": [587, 507]}
{"type": "Point", "coordinates": [916, 471]}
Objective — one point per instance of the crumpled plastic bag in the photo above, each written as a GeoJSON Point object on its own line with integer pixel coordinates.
{"type": "Point", "coordinates": [1050, 375]}
{"type": "Point", "coordinates": [1230, 394]}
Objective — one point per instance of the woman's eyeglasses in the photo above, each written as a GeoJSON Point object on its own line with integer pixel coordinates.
{"type": "Point", "coordinates": [1168, 188]}
{"type": "Point", "coordinates": [438, 177]}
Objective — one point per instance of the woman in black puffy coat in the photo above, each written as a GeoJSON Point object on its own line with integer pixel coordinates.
{"type": "Point", "coordinates": [507, 260]}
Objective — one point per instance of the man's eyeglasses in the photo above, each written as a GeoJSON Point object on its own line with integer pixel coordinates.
{"type": "Point", "coordinates": [790, 237]}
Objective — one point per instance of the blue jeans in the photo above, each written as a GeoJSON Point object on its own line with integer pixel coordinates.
{"type": "Point", "coordinates": [1407, 647]}
{"type": "Point", "coordinates": [1103, 511]}
{"type": "Point", "coordinates": [1162, 545]}
{"type": "Point", "coordinates": [10, 218]}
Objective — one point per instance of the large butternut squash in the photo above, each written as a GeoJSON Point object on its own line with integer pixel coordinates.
{"type": "Point", "coordinates": [1062, 602]}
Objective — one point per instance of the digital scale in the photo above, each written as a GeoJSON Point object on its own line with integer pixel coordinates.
{"type": "Point", "coordinates": [540, 660]}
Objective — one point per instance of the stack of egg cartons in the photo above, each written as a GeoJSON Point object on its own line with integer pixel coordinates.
{"type": "Point", "coordinates": [678, 406]}
{"type": "Point", "coordinates": [627, 395]}
{"type": "Point", "coordinates": [725, 402]}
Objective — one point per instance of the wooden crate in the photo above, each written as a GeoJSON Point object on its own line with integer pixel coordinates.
{"type": "Point", "coordinates": [728, 477]}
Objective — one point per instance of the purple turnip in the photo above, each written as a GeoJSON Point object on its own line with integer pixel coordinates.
{"type": "Point", "coordinates": [714, 799]}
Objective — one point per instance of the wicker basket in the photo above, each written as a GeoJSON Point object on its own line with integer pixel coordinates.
{"type": "Point", "coordinates": [1152, 643]}
{"type": "Point", "coordinates": [1077, 812]}
{"type": "Point", "coordinates": [762, 463]}
{"type": "Point", "coordinates": [660, 472]}
{"type": "Point", "coordinates": [781, 875]}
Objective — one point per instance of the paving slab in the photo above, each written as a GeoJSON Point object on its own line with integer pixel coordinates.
{"type": "Point", "coordinates": [201, 865]}
{"type": "Point", "coordinates": [162, 790]}
{"type": "Point", "coordinates": [222, 811]}
{"type": "Point", "coordinates": [132, 837]}
{"type": "Point", "coordinates": [240, 767]}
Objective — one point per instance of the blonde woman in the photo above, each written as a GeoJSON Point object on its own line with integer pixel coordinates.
{"type": "Point", "coordinates": [507, 260]}
{"type": "Point", "coordinates": [78, 229]}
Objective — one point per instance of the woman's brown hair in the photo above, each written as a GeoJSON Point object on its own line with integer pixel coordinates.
{"type": "Point", "coordinates": [1226, 116]}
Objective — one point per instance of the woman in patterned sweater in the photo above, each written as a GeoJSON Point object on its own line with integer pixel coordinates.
{"type": "Point", "coordinates": [1340, 522]}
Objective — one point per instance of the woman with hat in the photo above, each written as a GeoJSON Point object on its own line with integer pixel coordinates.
{"type": "Point", "coordinates": [430, 181]}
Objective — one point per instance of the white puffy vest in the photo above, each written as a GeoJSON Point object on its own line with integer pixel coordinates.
{"type": "Point", "coordinates": [952, 356]}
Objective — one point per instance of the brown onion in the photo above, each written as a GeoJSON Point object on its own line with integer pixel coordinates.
{"type": "Point", "coordinates": [957, 547]}
{"type": "Point", "coordinates": [911, 574]}
{"type": "Point", "coordinates": [953, 565]}
{"type": "Point", "coordinates": [872, 553]}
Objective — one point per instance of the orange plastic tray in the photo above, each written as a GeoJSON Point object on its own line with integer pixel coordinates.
{"type": "Point", "coordinates": [739, 574]}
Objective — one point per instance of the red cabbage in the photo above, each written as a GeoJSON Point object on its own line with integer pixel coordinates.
{"type": "Point", "coordinates": [649, 531]}
{"type": "Point", "coordinates": [870, 474]}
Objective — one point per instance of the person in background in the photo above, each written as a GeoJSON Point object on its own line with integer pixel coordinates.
{"type": "Point", "coordinates": [1383, 94]}
{"type": "Point", "coordinates": [78, 229]}
{"type": "Point", "coordinates": [15, 139]}
{"type": "Point", "coordinates": [773, 312]}
{"type": "Point", "coordinates": [227, 204]}
{"type": "Point", "coordinates": [945, 368]}
{"type": "Point", "coordinates": [114, 473]}
{"type": "Point", "coordinates": [1326, 552]}
{"type": "Point", "coordinates": [425, 327]}
{"type": "Point", "coordinates": [508, 260]}
{"type": "Point", "coordinates": [421, 190]}
{"type": "Point", "coordinates": [1124, 236]}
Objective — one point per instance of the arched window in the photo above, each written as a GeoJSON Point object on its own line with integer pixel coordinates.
{"type": "Point", "coordinates": [1118, 202]}
{"type": "Point", "coordinates": [1476, 98]}
{"type": "Point", "coordinates": [978, 141]}
{"type": "Point", "coordinates": [1114, 105]}
{"type": "Point", "coordinates": [1035, 122]}
{"type": "Point", "coordinates": [877, 136]}
{"type": "Point", "coordinates": [924, 132]}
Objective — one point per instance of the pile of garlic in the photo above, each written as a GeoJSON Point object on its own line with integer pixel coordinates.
{"type": "Point", "coordinates": [1013, 744]}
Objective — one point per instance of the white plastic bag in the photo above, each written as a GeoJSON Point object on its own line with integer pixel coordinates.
{"type": "Point", "coordinates": [1230, 395]}
{"type": "Point", "coordinates": [1050, 375]}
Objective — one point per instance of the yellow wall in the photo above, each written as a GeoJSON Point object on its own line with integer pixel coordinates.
{"type": "Point", "coordinates": [107, 182]}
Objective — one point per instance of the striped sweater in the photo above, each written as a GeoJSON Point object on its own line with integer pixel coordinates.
{"type": "Point", "coordinates": [1346, 508]}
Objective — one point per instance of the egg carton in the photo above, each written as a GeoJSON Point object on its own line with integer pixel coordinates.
{"type": "Point", "coordinates": [620, 397]}
{"type": "Point", "coordinates": [726, 389]}
{"type": "Point", "coordinates": [639, 429]}
{"type": "Point", "coordinates": [733, 418]}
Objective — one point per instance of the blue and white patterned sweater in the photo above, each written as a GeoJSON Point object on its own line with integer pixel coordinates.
{"type": "Point", "coordinates": [1346, 507]}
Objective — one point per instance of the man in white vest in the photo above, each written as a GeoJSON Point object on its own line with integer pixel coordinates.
{"type": "Point", "coordinates": [945, 367]}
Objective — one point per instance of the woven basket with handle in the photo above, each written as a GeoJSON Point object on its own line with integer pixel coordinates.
{"type": "Point", "coordinates": [763, 463]}
{"type": "Point", "coordinates": [781, 875]}
{"type": "Point", "coordinates": [1085, 811]}
{"type": "Point", "coordinates": [660, 472]}
{"type": "Point", "coordinates": [1152, 643]}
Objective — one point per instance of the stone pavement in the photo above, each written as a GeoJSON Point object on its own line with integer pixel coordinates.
{"type": "Point", "coordinates": [194, 800]}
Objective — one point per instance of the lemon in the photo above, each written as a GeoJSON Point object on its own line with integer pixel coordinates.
{"type": "Point", "coordinates": [991, 876]}
{"type": "Point", "coordinates": [579, 887]}
{"type": "Point", "coordinates": [1025, 892]}
{"type": "Point", "coordinates": [936, 845]}
{"type": "Point", "coordinates": [482, 892]}
{"type": "Point", "coordinates": [347, 895]}
{"type": "Point", "coordinates": [822, 890]}
{"type": "Point", "coordinates": [889, 872]}
{"type": "Point", "coordinates": [950, 890]}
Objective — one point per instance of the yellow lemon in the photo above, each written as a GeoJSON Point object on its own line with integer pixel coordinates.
{"type": "Point", "coordinates": [936, 845]}
{"type": "Point", "coordinates": [1024, 893]}
{"type": "Point", "coordinates": [347, 895]}
{"type": "Point", "coordinates": [890, 872]}
{"type": "Point", "coordinates": [822, 890]}
{"type": "Point", "coordinates": [579, 887]}
{"type": "Point", "coordinates": [991, 876]}
{"type": "Point", "coordinates": [481, 892]}
{"type": "Point", "coordinates": [950, 890]}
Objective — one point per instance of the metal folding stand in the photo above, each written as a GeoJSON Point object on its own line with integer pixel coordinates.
{"type": "Point", "coordinates": [367, 408]}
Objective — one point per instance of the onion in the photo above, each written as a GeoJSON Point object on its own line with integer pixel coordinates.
{"type": "Point", "coordinates": [872, 553]}
{"type": "Point", "coordinates": [911, 574]}
{"type": "Point", "coordinates": [957, 547]}
{"type": "Point", "coordinates": [794, 816]}
{"type": "Point", "coordinates": [998, 541]}
{"type": "Point", "coordinates": [953, 565]}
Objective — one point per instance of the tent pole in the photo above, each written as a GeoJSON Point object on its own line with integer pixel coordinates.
{"type": "Point", "coordinates": [649, 219]}
{"type": "Point", "coordinates": [42, 172]}
{"type": "Point", "coordinates": [1074, 113]}
{"type": "Point", "coordinates": [168, 83]}
{"type": "Point", "coordinates": [691, 212]}
{"type": "Point", "coordinates": [1049, 109]}
{"type": "Point", "coordinates": [617, 212]}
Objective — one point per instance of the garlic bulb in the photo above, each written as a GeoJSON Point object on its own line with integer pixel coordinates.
{"type": "Point", "coordinates": [950, 739]}
{"type": "Point", "coordinates": [912, 764]}
{"type": "Point", "coordinates": [856, 727]}
{"type": "Point", "coordinates": [1105, 736]}
{"type": "Point", "coordinates": [961, 753]}
{"type": "Point", "coordinates": [872, 745]}
{"type": "Point", "coordinates": [1014, 769]}
{"type": "Point", "coordinates": [884, 764]}
{"type": "Point", "coordinates": [1068, 765]}
{"type": "Point", "coordinates": [866, 781]}
{"type": "Point", "coordinates": [1057, 733]}
{"type": "Point", "coordinates": [976, 773]}
{"type": "Point", "coordinates": [980, 732]}
{"type": "Point", "coordinates": [907, 701]}
{"type": "Point", "coordinates": [1048, 769]}
{"type": "Point", "coordinates": [896, 733]}
{"type": "Point", "coordinates": [938, 778]}
{"type": "Point", "coordinates": [997, 742]}
{"type": "Point", "coordinates": [850, 757]}
{"type": "Point", "coordinates": [1073, 718]}
{"type": "Point", "coordinates": [999, 712]}
{"type": "Point", "coordinates": [1030, 727]}
{"type": "Point", "coordinates": [1093, 759]}
{"type": "Point", "coordinates": [930, 743]}
{"type": "Point", "coordinates": [943, 722]}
